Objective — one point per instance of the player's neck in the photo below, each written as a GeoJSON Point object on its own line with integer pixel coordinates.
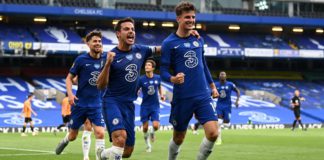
{"type": "Point", "coordinates": [183, 33]}
{"type": "Point", "coordinates": [149, 74]}
{"type": "Point", "coordinates": [124, 47]}
{"type": "Point", "coordinates": [95, 55]}
{"type": "Point", "coordinates": [223, 82]}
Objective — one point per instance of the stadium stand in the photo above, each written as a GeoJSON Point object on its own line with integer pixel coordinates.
{"type": "Point", "coordinates": [55, 34]}
{"type": "Point", "coordinates": [15, 33]}
{"type": "Point", "coordinates": [77, 3]}
{"type": "Point", "coordinates": [284, 88]}
{"type": "Point", "coordinates": [137, 6]}
{"type": "Point", "coordinates": [69, 3]}
{"type": "Point", "coordinates": [232, 11]}
{"type": "Point", "coordinates": [25, 2]}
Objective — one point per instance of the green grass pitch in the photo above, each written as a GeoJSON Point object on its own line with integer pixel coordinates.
{"type": "Point", "coordinates": [237, 145]}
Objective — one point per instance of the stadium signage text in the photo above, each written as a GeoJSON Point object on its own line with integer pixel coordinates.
{"type": "Point", "coordinates": [165, 128]}
{"type": "Point", "coordinates": [230, 52]}
{"type": "Point", "coordinates": [83, 11]}
{"type": "Point", "coordinates": [11, 45]}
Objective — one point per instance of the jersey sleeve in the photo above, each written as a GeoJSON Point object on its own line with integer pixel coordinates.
{"type": "Point", "coordinates": [234, 87]}
{"type": "Point", "coordinates": [206, 70]}
{"type": "Point", "coordinates": [148, 51]}
{"type": "Point", "coordinates": [140, 83]}
{"type": "Point", "coordinates": [159, 79]}
{"type": "Point", "coordinates": [75, 68]}
{"type": "Point", "coordinates": [165, 62]}
{"type": "Point", "coordinates": [292, 100]}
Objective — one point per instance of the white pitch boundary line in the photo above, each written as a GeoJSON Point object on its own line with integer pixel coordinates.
{"type": "Point", "coordinates": [42, 152]}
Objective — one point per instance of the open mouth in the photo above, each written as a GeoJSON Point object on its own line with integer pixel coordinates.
{"type": "Point", "coordinates": [130, 37]}
{"type": "Point", "coordinates": [97, 47]}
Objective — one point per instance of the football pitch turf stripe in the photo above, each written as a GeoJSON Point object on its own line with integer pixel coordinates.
{"type": "Point", "coordinates": [40, 152]}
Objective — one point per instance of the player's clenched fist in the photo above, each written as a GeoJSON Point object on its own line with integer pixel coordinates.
{"type": "Point", "coordinates": [178, 79]}
{"type": "Point", "coordinates": [215, 93]}
{"type": "Point", "coordinates": [110, 57]}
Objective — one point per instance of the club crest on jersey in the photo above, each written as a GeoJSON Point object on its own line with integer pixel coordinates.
{"type": "Point", "coordinates": [156, 82]}
{"type": "Point", "coordinates": [226, 87]}
{"type": "Point", "coordinates": [115, 121]}
{"type": "Point", "coordinates": [174, 122]}
{"type": "Point", "coordinates": [195, 43]}
{"type": "Point", "coordinates": [138, 55]}
{"type": "Point", "coordinates": [187, 45]}
{"type": "Point", "coordinates": [129, 57]}
{"type": "Point", "coordinates": [97, 66]}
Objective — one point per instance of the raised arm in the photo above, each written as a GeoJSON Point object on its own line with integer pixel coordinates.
{"type": "Point", "coordinates": [103, 78]}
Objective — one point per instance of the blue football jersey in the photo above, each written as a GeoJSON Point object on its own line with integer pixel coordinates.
{"type": "Point", "coordinates": [150, 89]}
{"type": "Point", "coordinates": [88, 69]}
{"type": "Point", "coordinates": [225, 91]}
{"type": "Point", "coordinates": [125, 72]}
{"type": "Point", "coordinates": [186, 55]}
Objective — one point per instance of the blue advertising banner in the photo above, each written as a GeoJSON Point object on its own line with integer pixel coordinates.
{"type": "Point", "coordinates": [13, 92]}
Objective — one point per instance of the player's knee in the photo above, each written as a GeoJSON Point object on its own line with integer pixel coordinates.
{"type": "Point", "coordinates": [128, 152]}
{"type": "Point", "coordinates": [100, 135]}
{"type": "Point", "coordinates": [156, 127]}
{"type": "Point", "coordinates": [119, 138]}
{"type": "Point", "coordinates": [72, 137]}
{"type": "Point", "coordinates": [178, 139]}
{"type": "Point", "coordinates": [212, 136]}
{"type": "Point", "coordinates": [145, 129]}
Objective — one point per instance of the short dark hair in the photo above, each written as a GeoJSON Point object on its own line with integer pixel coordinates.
{"type": "Point", "coordinates": [184, 7]}
{"type": "Point", "coordinates": [127, 19]}
{"type": "Point", "coordinates": [93, 33]}
{"type": "Point", "coordinates": [152, 62]}
{"type": "Point", "coordinates": [30, 95]}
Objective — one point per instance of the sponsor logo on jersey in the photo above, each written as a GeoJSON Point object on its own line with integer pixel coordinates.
{"type": "Point", "coordinates": [119, 60]}
{"type": "Point", "coordinates": [97, 66]}
{"type": "Point", "coordinates": [187, 45]}
{"type": "Point", "coordinates": [129, 57]}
